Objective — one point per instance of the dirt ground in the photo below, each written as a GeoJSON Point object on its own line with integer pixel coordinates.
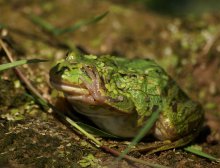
{"type": "Point", "coordinates": [187, 47]}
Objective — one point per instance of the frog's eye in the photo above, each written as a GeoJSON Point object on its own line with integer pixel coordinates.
{"type": "Point", "coordinates": [61, 69]}
{"type": "Point", "coordinates": [71, 57]}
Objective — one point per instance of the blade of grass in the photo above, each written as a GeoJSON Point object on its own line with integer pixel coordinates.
{"type": "Point", "coordinates": [90, 136]}
{"type": "Point", "coordinates": [81, 23]}
{"type": "Point", "coordinates": [18, 63]}
{"type": "Point", "coordinates": [18, 72]}
{"type": "Point", "coordinates": [58, 31]}
{"type": "Point", "coordinates": [45, 39]}
{"type": "Point", "coordinates": [193, 149]}
{"type": "Point", "coordinates": [142, 133]}
{"type": "Point", "coordinates": [96, 131]}
{"type": "Point", "coordinates": [43, 23]}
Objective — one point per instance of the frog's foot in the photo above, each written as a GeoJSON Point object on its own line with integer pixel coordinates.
{"type": "Point", "coordinates": [95, 96]}
{"type": "Point", "coordinates": [164, 145]}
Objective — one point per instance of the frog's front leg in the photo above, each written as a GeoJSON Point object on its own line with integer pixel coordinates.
{"type": "Point", "coordinates": [164, 145]}
{"type": "Point", "coordinates": [94, 97]}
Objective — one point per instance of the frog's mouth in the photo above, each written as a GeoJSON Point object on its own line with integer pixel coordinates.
{"type": "Point", "coordinates": [65, 86]}
{"type": "Point", "coordinates": [75, 92]}
{"type": "Point", "coordinates": [68, 88]}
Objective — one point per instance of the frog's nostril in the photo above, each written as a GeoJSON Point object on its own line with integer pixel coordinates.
{"type": "Point", "coordinates": [60, 70]}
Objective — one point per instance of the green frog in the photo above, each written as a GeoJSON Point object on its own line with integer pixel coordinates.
{"type": "Point", "coordinates": [119, 95]}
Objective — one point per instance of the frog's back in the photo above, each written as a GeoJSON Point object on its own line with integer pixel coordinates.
{"type": "Point", "coordinates": [152, 87]}
{"type": "Point", "coordinates": [140, 66]}
{"type": "Point", "coordinates": [141, 82]}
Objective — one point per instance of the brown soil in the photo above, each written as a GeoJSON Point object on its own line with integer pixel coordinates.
{"type": "Point", "coordinates": [188, 47]}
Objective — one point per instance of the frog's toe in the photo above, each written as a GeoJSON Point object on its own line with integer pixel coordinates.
{"type": "Point", "coordinates": [95, 86]}
{"type": "Point", "coordinates": [164, 145]}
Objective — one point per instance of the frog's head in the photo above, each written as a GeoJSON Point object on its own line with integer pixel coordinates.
{"type": "Point", "coordinates": [88, 79]}
{"type": "Point", "coordinates": [67, 74]}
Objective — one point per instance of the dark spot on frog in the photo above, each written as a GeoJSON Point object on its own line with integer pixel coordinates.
{"type": "Point", "coordinates": [116, 100]}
